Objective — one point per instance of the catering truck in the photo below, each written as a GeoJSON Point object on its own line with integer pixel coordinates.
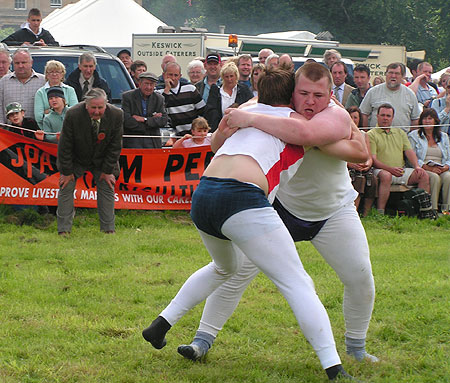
{"type": "Point", "coordinates": [150, 48]}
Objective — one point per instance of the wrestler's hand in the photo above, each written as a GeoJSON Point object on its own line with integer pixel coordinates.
{"type": "Point", "coordinates": [238, 118]}
{"type": "Point", "coordinates": [365, 166]}
{"type": "Point", "coordinates": [64, 180]}
{"type": "Point", "coordinates": [225, 129]}
{"type": "Point", "coordinates": [109, 179]}
{"type": "Point", "coordinates": [337, 102]}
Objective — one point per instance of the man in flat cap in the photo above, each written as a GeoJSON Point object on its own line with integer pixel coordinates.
{"type": "Point", "coordinates": [144, 114]}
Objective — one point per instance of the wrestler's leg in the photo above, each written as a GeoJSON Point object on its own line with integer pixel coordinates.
{"type": "Point", "coordinates": [343, 244]}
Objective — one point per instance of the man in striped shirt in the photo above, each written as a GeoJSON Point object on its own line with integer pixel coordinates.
{"type": "Point", "coordinates": [183, 102]}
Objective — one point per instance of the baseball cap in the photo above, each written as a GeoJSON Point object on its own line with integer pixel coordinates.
{"type": "Point", "coordinates": [14, 107]}
{"type": "Point", "coordinates": [213, 57]}
{"type": "Point", "coordinates": [124, 51]}
{"type": "Point", "coordinates": [55, 91]}
{"type": "Point", "coordinates": [149, 75]}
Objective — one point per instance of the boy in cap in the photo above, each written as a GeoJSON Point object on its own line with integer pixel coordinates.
{"type": "Point", "coordinates": [15, 115]}
{"type": "Point", "coordinates": [53, 121]}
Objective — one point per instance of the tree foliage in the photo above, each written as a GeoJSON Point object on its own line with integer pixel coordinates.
{"type": "Point", "coordinates": [416, 24]}
{"type": "Point", "coordinates": [5, 32]}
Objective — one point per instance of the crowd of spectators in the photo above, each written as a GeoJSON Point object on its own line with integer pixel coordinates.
{"type": "Point", "coordinates": [406, 118]}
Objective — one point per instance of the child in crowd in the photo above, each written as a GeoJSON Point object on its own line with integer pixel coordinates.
{"type": "Point", "coordinates": [53, 121]}
{"type": "Point", "coordinates": [199, 136]}
{"type": "Point", "coordinates": [16, 117]}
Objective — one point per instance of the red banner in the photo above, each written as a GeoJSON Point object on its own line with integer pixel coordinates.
{"type": "Point", "coordinates": [152, 179]}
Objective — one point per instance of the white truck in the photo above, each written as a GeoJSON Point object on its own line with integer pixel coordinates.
{"type": "Point", "coordinates": [150, 48]}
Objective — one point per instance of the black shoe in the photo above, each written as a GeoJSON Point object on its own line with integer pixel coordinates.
{"type": "Point", "coordinates": [156, 332]}
{"type": "Point", "coordinates": [340, 376]}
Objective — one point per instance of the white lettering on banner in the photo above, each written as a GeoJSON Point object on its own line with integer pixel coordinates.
{"type": "Point", "coordinates": [134, 198]}
{"type": "Point", "coordinates": [47, 193]}
{"type": "Point", "coordinates": [86, 194]}
{"type": "Point", "coordinates": [13, 192]}
{"type": "Point", "coordinates": [154, 199]}
{"type": "Point", "coordinates": [174, 199]}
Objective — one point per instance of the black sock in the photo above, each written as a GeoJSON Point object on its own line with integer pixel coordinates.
{"type": "Point", "coordinates": [156, 332]}
{"type": "Point", "coordinates": [333, 371]}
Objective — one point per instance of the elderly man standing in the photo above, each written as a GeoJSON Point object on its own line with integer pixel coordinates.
{"type": "Point", "coordinates": [21, 85]}
{"type": "Point", "coordinates": [91, 140]}
{"type": "Point", "coordinates": [5, 62]}
{"type": "Point", "coordinates": [394, 93]}
{"type": "Point", "coordinates": [144, 114]}
{"type": "Point", "coordinates": [165, 60]}
{"type": "Point", "coordinates": [86, 77]}
{"type": "Point", "coordinates": [263, 54]}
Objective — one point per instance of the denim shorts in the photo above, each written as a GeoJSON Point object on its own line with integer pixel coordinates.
{"type": "Point", "coordinates": [299, 229]}
{"type": "Point", "coordinates": [217, 199]}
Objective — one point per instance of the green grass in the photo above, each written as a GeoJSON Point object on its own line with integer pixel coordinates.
{"type": "Point", "coordinates": [72, 309]}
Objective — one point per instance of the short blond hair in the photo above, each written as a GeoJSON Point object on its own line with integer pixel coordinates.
{"type": "Point", "coordinates": [54, 65]}
{"type": "Point", "coordinates": [229, 67]}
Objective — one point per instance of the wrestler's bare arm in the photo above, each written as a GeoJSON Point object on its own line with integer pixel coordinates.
{"type": "Point", "coordinates": [330, 125]}
{"type": "Point", "coordinates": [351, 150]}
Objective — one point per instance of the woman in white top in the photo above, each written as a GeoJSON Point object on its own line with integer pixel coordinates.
{"type": "Point", "coordinates": [231, 93]}
{"type": "Point", "coordinates": [433, 153]}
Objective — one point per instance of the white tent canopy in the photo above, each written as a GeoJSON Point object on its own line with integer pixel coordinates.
{"type": "Point", "coordinates": [436, 76]}
{"type": "Point", "coordinates": [294, 35]}
{"type": "Point", "coordinates": [106, 23]}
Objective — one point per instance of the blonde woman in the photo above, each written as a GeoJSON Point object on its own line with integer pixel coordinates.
{"type": "Point", "coordinates": [229, 94]}
{"type": "Point", "coordinates": [55, 73]}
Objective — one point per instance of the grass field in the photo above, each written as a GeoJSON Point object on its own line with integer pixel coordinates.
{"type": "Point", "coordinates": [72, 309]}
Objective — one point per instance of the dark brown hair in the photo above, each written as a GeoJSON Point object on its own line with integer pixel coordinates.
{"type": "Point", "coordinates": [430, 112]}
{"type": "Point", "coordinates": [275, 86]}
{"type": "Point", "coordinates": [353, 109]}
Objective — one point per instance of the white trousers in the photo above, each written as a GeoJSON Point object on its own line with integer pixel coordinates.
{"type": "Point", "coordinates": [262, 237]}
{"type": "Point", "coordinates": [343, 244]}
